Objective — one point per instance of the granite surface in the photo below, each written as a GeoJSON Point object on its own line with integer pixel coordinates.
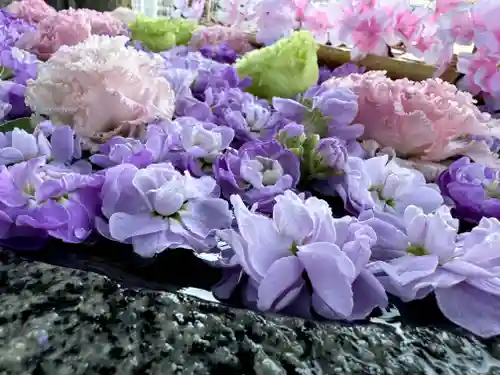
{"type": "Point", "coordinates": [62, 321]}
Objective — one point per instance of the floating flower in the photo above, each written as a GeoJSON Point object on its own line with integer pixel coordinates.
{"type": "Point", "coordinates": [119, 150]}
{"type": "Point", "coordinates": [381, 184]}
{"type": "Point", "coordinates": [284, 69]}
{"type": "Point", "coordinates": [116, 92]}
{"type": "Point", "coordinates": [52, 32]}
{"type": "Point", "coordinates": [33, 11]}
{"type": "Point", "coordinates": [472, 189]}
{"type": "Point", "coordinates": [302, 250]}
{"type": "Point", "coordinates": [48, 200]}
{"type": "Point", "coordinates": [323, 111]}
{"type": "Point", "coordinates": [258, 172]}
{"type": "Point", "coordinates": [158, 208]}
{"type": "Point", "coordinates": [423, 254]}
{"type": "Point", "coordinates": [234, 38]}
{"type": "Point", "coordinates": [428, 120]}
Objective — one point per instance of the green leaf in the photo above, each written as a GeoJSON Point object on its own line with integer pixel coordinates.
{"type": "Point", "coordinates": [23, 123]}
{"type": "Point", "coordinates": [6, 73]}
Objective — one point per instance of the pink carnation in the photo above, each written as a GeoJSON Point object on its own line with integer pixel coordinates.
{"type": "Point", "coordinates": [32, 11]}
{"type": "Point", "coordinates": [57, 30]}
{"type": "Point", "coordinates": [102, 88]}
{"type": "Point", "coordinates": [234, 38]}
{"type": "Point", "coordinates": [430, 120]}
{"type": "Point", "coordinates": [100, 23]}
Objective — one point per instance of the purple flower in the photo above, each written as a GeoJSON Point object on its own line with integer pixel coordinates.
{"type": "Point", "coordinates": [221, 53]}
{"type": "Point", "coordinates": [12, 93]}
{"type": "Point", "coordinates": [326, 112]}
{"type": "Point", "coordinates": [344, 70]}
{"type": "Point", "coordinates": [20, 64]}
{"type": "Point", "coordinates": [304, 255]}
{"type": "Point", "coordinates": [189, 144]}
{"type": "Point", "coordinates": [253, 120]}
{"type": "Point", "coordinates": [158, 208]}
{"type": "Point", "coordinates": [218, 80]}
{"type": "Point", "coordinates": [423, 254]}
{"type": "Point", "coordinates": [62, 147]}
{"type": "Point", "coordinates": [119, 150]}
{"type": "Point", "coordinates": [257, 172]}
{"type": "Point", "coordinates": [51, 201]}
{"type": "Point", "coordinates": [472, 190]}
{"type": "Point", "coordinates": [383, 185]}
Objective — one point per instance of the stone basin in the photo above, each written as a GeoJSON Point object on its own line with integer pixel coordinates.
{"type": "Point", "coordinates": [57, 320]}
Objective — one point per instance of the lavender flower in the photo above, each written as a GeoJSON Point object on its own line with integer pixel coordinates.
{"type": "Point", "coordinates": [326, 112]}
{"type": "Point", "coordinates": [158, 208]}
{"type": "Point", "coordinates": [423, 254]}
{"type": "Point", "coordinates": [257, 172]}
{"type": "Point", "coordinates": [218, 80]}
{"type": "Point", "coordinates": [54, 202]}
{"type": "Point", "coordinates": [221, 53]}
{"type": "Point", "coordinates": [472, 189]}
{"type": "Point", "coordinates": [381, 184]}
{"type": "Point", "coordinates": [12, 94]}
{"type": "Point", "coordinates": [299, 254]}
{"type": "Point", "coordinates": [20, 64]}
{"type": "Point", "coordinates": [63, 148]}
{"type": "Point", "coordinates": [344, 70]}
{"type": "Point", "coordinates": [119, 150]}
{"type": "Point", "coordinates": [189, 144]}
{"type": "Point", "coordinates": [253, 120]}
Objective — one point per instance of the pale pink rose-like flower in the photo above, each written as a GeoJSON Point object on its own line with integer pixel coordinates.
{"type": "Point", "coordinates": [51, 33]}
{"type": "Point", "coordinates": [430, 120]}
{"type": "Point", "coordinates": [101, 23]}
{"type": "Point", "coordinates": [32, 11]}
{"type": "Point", "coordinates": [102, 88]}
{"type": "Point", "coordinates": [233, 37]}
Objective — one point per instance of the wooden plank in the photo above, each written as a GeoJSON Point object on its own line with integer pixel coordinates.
{"type": "Point", "coordinates": [396, 67]}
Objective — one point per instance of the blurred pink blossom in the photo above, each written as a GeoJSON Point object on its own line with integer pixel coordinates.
{"type": "Point", "coordinates": [429, 120]}
{"type": "Point", "coordinates": [481, 71]}
{"type": "Point", "coordinates": [233, 37]}
{"type": "Point", "coordinates": [32, 11]}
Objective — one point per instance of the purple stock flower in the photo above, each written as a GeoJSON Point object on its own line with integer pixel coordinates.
{"type": "Point", "coordinates": [20, 64]}
{"type": "Point", "coordinates": [12, 93]}
{"type": "Point", "coordinates": [326, 112]}
{"type": "Point", "coordinates": [218, 80]}
{"type": "Point", "coordinates": [472, 189]}
{"type": "Point", "coordinates": [120, 150]}
{"type": "Point", "coordinates": [344, 70]}
{"type": "Point", "coordinates": [383, 185]}
{"type": "Point", "coordinates": [258, 171]}
{"type": "Point", "coordinates": [59, 145]}
{"type": "Point", "coordinates": [253, 120]}
{"type": "Point", "coordinates": [47, 200]}
{"type": "Point", "coordinates": [188, 144]}
{"type": "Point", "coordinates": [221, 53]}
{"type": "Point", "coordinates": [304, 256]}
{"type": "Point", "coordinates": [422, 253]}
{"type": "Point", "coordinates": [158, 208]}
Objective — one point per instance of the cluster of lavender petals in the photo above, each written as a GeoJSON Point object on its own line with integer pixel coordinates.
{"type": "Point", "coordinates": [252, 181]}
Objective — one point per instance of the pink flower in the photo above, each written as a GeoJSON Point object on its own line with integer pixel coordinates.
{"type": "Point", "coordinates": [100, 23]}
{"type": "Point", "coordinates": [429, 120]}
{"type": "Point", "coordinates": [102, 88]}
{"type": "Point", "coordinates": [367, 33]}
{"type": "Point", "coordinates": [487, 26]}
{"type": "Point", "coordinates": [32, 11]}
{"type": "Point", "coordinates": [317, 21]}
{"type": "Point", "coordinates": [55, 31]}
{"type": "Point", "coordinates": [445, 6]}
{"type": "Point", "coordinates": [233, 37]}
{"type": "Point", "coordinates": [482, 72]}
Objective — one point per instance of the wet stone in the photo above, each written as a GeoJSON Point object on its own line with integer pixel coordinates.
{"type": "Point", "coordinates": [60, 321]}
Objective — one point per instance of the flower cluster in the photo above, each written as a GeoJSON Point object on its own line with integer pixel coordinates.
{"type": "Point", "coordinates": [319, 191]}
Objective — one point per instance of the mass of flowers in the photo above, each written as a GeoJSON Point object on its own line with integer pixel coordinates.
{"type": "Point", "coordinates": [320, 192]}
